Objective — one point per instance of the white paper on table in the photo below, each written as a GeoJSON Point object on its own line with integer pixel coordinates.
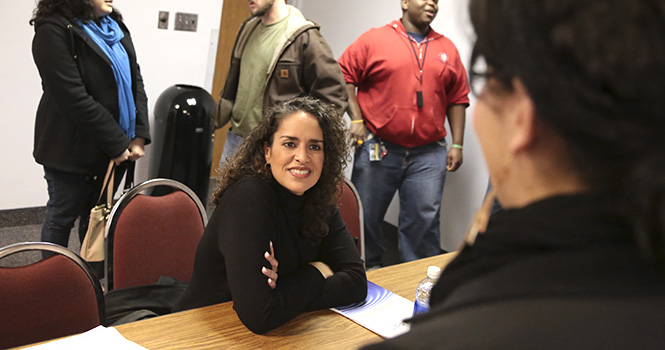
{"type": "Point", "coordinates": [98, 338]}
{"type": "Point", "coordinates": [382, 312]}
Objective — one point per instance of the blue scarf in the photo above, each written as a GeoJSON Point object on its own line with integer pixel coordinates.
{"type": "Point", "coordinates": [107, 35]}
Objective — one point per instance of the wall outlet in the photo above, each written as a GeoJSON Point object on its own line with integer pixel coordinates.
{"type": "Point", "coordinates": [186, 21]}
{"type": "Point", "coordinates": [163, 20]}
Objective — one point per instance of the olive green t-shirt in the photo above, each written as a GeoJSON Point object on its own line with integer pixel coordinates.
{"type": "Point", "coordinates": [254, 65]}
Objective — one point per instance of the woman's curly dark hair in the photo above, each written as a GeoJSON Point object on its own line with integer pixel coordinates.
{"type": "Point", "coordinates": [71, 9]}
{"type": "Point", "coordinates": [249, 160]}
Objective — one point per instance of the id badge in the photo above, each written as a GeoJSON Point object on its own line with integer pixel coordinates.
{"type": "Point", "coordinates": [374, 152]}
{"type": "Point", "coordinates": [377, 151]}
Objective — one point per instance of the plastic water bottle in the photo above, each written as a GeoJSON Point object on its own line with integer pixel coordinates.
{"type": "Point", "coordinates": [423, 290]}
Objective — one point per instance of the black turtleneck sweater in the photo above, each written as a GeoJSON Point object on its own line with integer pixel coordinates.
{"type": "Point", "coordinates": [230, 256]}
{"type": "Point", "coordinates": [561, 273]}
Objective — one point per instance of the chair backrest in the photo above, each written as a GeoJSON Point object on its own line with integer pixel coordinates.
{"type": "Point", "coordinates": [351, 210]}
{"type": "Point", "coordinates": [151, 236]}
{"type": "Point", "coordinates": [54, 297]}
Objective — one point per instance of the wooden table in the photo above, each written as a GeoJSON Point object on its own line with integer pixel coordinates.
{"type": "Point", "coordinates": [218, 326]}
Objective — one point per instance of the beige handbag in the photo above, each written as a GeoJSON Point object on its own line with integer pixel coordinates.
{"type": "Point", "coordinates": [92, 248]}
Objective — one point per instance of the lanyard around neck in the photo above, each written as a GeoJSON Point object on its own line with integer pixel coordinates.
{"type": "Point", "coordinates": [421, 66]}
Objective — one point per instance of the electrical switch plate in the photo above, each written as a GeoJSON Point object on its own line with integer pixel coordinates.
{"type": "Point", "coordinates": [163, 20]}
{"type": "Point", "coordinates": [186, 21]}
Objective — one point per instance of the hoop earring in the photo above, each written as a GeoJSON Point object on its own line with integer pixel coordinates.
{"type": "Point", "coordinates": [267, 167]}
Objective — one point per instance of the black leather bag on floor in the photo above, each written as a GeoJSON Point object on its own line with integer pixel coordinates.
{"type": "Point", "coordinates": [140, 302]}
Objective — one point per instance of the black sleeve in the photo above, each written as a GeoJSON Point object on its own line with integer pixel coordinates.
{"type": "Point", "coordinates": [62, 79]}
{"type": "Point", "coordinates": [251, 214]}
{"type": "Point", "coordinates": [348, 284]}
{"type": "Point", "coordinates": [142, 123]}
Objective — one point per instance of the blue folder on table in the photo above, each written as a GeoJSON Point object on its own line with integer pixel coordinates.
{"type": "Point", "coordinates": [382, 312]}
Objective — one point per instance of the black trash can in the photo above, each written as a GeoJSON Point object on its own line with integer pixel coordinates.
{"type": "Point", "coordinates": [181, 146]}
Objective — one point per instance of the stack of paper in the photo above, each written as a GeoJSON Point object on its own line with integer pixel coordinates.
{"type": "Point", "coordinates": [99, 338]}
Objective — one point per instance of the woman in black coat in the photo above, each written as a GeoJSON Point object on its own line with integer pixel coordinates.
{"type": "Point", "coordinates": [93, 107]}
{"type": "Point", "coordinates": [571, 120]}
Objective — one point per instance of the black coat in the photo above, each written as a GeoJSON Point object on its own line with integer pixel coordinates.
{"type": "Point", "coordinates": [562, 273]}
{"type": "Point", "coordinates": [77, 128]}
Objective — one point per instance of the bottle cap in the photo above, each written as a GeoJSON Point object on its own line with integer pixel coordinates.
{"type": "Point", "coordinates": [433, 272]}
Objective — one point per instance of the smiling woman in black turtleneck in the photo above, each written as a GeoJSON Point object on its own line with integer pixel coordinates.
{"type": "Point", "coordinates": [276, 244]}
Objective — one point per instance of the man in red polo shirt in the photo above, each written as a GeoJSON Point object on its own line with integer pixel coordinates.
{"type": "Point", "coordinates": [407, 78]}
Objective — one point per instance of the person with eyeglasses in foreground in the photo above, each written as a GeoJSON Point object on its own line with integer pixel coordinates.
{"type": "Point", "coordinates": [571, 121]}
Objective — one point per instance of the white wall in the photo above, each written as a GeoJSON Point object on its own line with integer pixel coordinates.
{"type": "Point", "coordinates": [167, 57]}
{"type": "Point", "coordinates": [342, 21]}
{"type": "Point", "coordinates": [21, 182]}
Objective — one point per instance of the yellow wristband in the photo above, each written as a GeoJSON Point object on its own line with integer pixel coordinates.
{"type": "Point", "coordinates": [357, 121]}
{"type": "Point", "coordinates": [457, 146]}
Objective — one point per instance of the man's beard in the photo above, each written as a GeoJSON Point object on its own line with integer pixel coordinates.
{"type": "Point", "coordinates": [264, 9]}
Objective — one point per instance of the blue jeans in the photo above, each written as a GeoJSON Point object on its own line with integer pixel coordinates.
{"type": "Point", "coordinates": [418, 174]}
{"type": "Point", "coordinates": [232, 143]}
{"type": "Point", "coordinates": [71, 196]}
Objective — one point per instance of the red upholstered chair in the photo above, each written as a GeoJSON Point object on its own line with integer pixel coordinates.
{"type": "Point", "coordinates": [51, 298]}
{"type": "Point", "coordinates": [148, 236]}
{"type": "Point", "coordinates": [351, 210]}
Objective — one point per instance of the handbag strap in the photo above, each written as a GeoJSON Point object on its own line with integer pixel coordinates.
{"type": "Point", "coordinates": [109, 189]}
{"type": "Point", "coordinates": [109, 193]}
{"type": "Point", "coordinates": [129, 176]}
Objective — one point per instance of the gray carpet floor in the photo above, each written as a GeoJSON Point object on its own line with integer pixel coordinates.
{"type": "Point", "coordinates": [25, 225]}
